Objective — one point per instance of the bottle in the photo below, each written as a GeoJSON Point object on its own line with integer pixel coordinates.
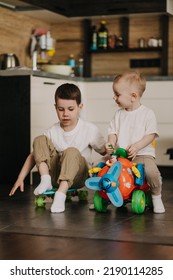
{"type": "Point", "coordinates": [36, 54]}
{"type": "Point", "coordinates": [81, 67]}
{"type": "Point", "coordinates": [49, 41]}
{"type": "Point", "coordinates": [72, 62]}
{"type": "Point", "coordinates": [94, 38]}
{"type": "Point", "coordinates": [42, 43]}
{"type": "Point", "coordinates": [34, 60]}
{"type": "Point", "coordinates": [50, 45]}
{"type": "Point", "coordinates": [103, 36]}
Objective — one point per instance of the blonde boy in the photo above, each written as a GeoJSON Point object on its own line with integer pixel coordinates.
{"type": "Point", "coordinates": [134, 128]}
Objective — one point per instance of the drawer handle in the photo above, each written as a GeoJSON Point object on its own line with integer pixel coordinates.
{"type": "Point", "coordinates": [49, 83]}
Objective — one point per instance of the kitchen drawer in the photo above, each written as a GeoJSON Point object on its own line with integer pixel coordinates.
{"type": "Point", "coordinates": [43, 115]}
{"type": "Point", "coordinates": [100, 90]}
{"type": "Point", "coordinates": [163, 109]}
{"type": "Point", "coordinates": [159, 89]}
{"type": "Point", "coordinates": [103, 111]}
{"type": "Point", "coordinates": [41, 88]}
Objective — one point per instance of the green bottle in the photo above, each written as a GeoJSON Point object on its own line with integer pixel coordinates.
{"type": "Point", "coordinates": [103, 35]}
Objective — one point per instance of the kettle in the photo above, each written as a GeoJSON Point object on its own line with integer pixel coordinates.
{"type": "Point", "coordinates": [8, 60]}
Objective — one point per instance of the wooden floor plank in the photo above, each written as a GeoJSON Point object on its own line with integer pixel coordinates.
{"type": "Point", "coordinates": [27, 232]}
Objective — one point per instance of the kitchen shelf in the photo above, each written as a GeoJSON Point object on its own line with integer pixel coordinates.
{"type": "Point", "coordinates": [69, 40]}
{"type": "Point", "coordinates": [109, 50]}
{"type": "Point", "coordinates": [164, 19]}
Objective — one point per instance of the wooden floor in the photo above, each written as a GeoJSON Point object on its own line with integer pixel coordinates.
{"type": "Point", "coordinates": [31, 233]}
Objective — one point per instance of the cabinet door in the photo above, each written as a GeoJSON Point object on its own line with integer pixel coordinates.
{"type": "Point", "coordinates": [14, 126]}
{"type": "Point", "coordinates": [100, 104]}
{"type": "Point", "coordinates": [43, 113]}
{"type": "Point", "coordinates": [159, 98]}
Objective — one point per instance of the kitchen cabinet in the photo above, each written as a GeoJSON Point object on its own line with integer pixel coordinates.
{"type": "Point", "coordinates": [43, 113]}
{"type": "Point", "coordinates": [158, 96]}
{"type": "Point", "coordinates": [163, 50]}
{"type": "Point", "coordinates": [27, 109]}
{"type": "Point", "coordinates": [87, 8]}
{"type": "Point", "coordinates": [14, 126]}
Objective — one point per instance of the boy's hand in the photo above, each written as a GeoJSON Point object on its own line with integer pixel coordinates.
{"type": "Point", "coordinates": [109, 148]}
{"type": "Point", "coordinates": [18, 184]}
{"type": "Point", "coordinates": [132, 151]}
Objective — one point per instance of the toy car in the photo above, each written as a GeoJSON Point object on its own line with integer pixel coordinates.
{"type": "Point", "coordinates": [119, 181]}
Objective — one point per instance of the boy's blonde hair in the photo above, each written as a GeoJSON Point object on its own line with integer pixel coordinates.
{"type": "Point", "coordinates": [134, 79]}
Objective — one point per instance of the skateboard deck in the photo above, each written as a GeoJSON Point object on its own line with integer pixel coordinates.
{"type": "Point", "coordinates": [47, 196]}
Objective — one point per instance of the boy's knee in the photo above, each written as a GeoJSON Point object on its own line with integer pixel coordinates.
{"type": "Point", "coordinates": [71, 151]}
{"type": "Point", "coordinates": [154, 180]}
{"type": "Point", "coordinates": [42, 145]}
{"type": "Point", "coordinates": [39, 138]}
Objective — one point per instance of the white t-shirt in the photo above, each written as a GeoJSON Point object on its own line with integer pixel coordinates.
{"type": "Point", "coordinates": [132, 126]}
{"type": "Point", "coordinates": [85, 137]}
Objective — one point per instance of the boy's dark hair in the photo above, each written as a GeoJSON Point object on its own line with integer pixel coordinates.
{"type": "Point", "coordinates": [68, 91]}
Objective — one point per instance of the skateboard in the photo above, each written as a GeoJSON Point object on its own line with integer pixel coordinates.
{"type": "Point", "coordinates": [47, 196]}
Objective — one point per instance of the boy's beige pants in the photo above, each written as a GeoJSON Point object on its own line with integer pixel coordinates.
{"type": "Point", "coordinates": [70, 166]}
{"type": "Point", "coordinates": [152, 173]}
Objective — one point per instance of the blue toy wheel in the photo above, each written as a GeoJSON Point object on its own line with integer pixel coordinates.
{"type": "Point", "coordinates": [100, 204]}
{"type": "Point", "coordinates": [138, 201]}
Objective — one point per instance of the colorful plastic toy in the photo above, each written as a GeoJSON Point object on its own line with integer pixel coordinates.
{"type": "Point", "coordinates": [41, 200]}
{"type": "Point", "coordinates": [120, 181]}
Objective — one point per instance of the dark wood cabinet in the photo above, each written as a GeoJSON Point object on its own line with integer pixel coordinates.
{"type": "Point", "coordinates": [14, 126]}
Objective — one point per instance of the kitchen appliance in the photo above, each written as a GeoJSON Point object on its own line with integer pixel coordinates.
{"type": "Point", "coordinates": [8, 60]}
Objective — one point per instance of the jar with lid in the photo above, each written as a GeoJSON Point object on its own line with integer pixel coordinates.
{"type": "Point", "coordinates": [111, 41]}
{"type": "Point", "coordinates": [103, 35]}
{"type": "Point", "coordinates": [119, 42]}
